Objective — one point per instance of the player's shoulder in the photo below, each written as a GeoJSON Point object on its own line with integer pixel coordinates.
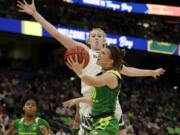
{"type": "Point", "coordinates": [92, 51]}
{"type": "Point", "coordinates": [17, 122]}
{"type": "Point", "coordinates": [115, 72]}
{"type": "Point", "coordinates": [18, 119]}
{"type": "Point", "coordinates": [40, 120]}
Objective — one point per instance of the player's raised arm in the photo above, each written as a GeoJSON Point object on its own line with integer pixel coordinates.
{"type": "Point", "coordinates": [135, 72]}
{"type": "Point", "coordinates": [30, 9]}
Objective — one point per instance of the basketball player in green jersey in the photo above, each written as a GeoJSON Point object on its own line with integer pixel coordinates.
{"type": "Point", "coordinates": [106, 89]}
{"type": "Point", "coordinates": [29, 124]}
{"type": "Point", "coordinates": [96, 42]}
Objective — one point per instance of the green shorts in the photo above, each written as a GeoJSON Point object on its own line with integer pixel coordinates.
{"type": "Point", "coordinates": [105, 126]}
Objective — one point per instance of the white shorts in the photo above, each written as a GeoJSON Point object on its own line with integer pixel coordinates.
{"type": "Point", "coordinates": [85, 118]}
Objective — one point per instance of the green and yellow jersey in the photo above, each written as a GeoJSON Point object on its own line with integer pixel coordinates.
{"type": "Point", "coordinates": [32, 129]}
{"type": "Point", "coordinates": [104, 98]}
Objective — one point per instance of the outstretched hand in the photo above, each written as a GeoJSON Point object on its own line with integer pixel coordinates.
{"type": "Point", "coordinates": [158, 72]}
{"type": "Point", "coordinates": [26, 8]}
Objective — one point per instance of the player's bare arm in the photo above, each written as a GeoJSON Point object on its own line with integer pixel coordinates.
{"type": "Point", "coordinates": [106, 79]}
{"type": "Point", "coordinates": [76, 101]}
{"type": "Point", "coordinates": [10, 131]}
{"type": "Point", "coordinates": [30, 9]}
{"type": "Point", "coordinates": [135, 72]}
{"type": "Point", "coordinates": [76, 121]}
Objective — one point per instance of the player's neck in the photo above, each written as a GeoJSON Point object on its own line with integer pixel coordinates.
{"type": "Point", "coordinates": [96, 50]}
{"type": "Point", "coordinates": [29, 119]}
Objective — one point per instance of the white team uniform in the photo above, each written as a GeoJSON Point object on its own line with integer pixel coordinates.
{"type": "Point", "coordinates": [92, 69]}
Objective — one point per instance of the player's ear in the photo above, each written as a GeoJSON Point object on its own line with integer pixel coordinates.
{"type": "Point", "coordinates": [105, 44]}
{"type": "Point", "coordinates": [23, 108]}
{"type": "Point", "coordinates": [87, 42]}
{"type": "Point", "coordinates": [104, 40]}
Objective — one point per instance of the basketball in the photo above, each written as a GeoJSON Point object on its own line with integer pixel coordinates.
{"type": "Point", "coordinates": [82, 54]}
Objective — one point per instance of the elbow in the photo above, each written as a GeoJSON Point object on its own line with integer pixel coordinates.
{"type": "Point", "coordinates": [90, 83]}
{"type": "Point", "coordinates": [90, 80]}
{"type": "Point", "coordinates": [128, 74]}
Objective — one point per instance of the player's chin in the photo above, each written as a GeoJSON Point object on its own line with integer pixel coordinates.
{"type": "Point", "coordinates": [30, 112]}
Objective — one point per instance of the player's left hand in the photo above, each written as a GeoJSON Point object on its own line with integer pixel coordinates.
{"type": "Point", "coordinates": [43, 130]}
{"type": "Point", "coordinates": [27, 8]}
{"type": "Point", "coordinates": [75, 65]}
{"type": "Point", "coordinates": [158, 72]}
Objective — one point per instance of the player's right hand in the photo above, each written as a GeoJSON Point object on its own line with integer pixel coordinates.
{"type": "Point", "coordinates": [26, 8]}
{"type": "Point", "coordinates": [158, 72]}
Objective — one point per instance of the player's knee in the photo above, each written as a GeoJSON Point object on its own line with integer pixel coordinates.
{"type": "Point", "coordinates": [122, 132]}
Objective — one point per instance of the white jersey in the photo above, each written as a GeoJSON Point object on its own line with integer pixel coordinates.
{"type": "Point", "coordinates": [92, 69]}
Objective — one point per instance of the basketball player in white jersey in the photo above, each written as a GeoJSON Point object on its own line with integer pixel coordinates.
{"type": "Point", "coordinates": [96, 42]}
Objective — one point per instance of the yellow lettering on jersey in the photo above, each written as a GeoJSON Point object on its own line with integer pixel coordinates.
{"type": "Point", "coordinates": [104, 122]}
{"type": "Point", "coordinates": [27, 133]}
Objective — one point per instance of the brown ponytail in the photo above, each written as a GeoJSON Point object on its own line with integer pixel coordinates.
{"type": "Point", "coordinates": [123, 54]}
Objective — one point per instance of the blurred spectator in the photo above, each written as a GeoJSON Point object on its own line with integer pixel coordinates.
{"type": "Point", "coordinates": [61, 132]}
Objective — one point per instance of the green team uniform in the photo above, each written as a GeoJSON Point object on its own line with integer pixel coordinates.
{"type": "Point", "coordinates": [103, 108]}
{"type": "Point", "coordinates": [32, 129]}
